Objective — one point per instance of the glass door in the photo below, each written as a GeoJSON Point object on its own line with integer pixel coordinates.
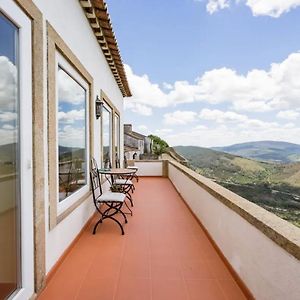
{"type": "Point", "coordinates": [16, 200]}
{"type": "Point", "coordinates": [9, 160]}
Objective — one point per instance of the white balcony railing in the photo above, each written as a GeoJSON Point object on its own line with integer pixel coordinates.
{"type": "Point", "coordinates": [262, 249]}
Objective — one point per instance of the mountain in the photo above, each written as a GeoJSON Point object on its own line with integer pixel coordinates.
{"type": "Point", "coordinates": [66, 153]}
{"type": "Point", "coordinates": [274, 186]}
{"type": "Point", "coordinates": [222, 166]}
{"type": "Point", "coordinates": [282, 152]}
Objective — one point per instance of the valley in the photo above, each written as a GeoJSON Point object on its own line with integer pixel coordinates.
{"type": "Point", "coordinates": [274, 186]}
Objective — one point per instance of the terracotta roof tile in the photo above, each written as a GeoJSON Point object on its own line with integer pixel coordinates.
{"type": "Point", "coordinates": [98, 16]}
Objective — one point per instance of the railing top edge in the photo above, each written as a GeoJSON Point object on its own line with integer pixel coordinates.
{"type": "Point", "coordinates": [283, 233]}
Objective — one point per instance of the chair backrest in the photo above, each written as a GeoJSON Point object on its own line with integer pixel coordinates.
{"type": "Point", "coordinates": [118, 165]}
{"type": "Point", "coordinates": [94, 164]}
{"type": "Point", "coordinates": [96, 184]}
{"type": "Point", "coordinates": [125, 162]}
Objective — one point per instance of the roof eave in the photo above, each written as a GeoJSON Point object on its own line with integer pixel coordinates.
{"type": "Point", "coordinates": [99, 19]}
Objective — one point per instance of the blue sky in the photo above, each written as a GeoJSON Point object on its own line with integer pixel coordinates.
{"type": "Point", "coordinates": [211, 72]}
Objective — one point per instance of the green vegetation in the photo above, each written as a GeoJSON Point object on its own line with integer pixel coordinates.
{"type": "Point", "coordinates": [159, 146]}
{"type": "Point", "coordinates": [274, 186]}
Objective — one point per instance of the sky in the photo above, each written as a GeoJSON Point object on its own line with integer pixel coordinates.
{"type": "Point", "coordinates": [211, 72]}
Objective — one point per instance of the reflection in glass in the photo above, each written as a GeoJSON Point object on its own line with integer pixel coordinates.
{"type": "Point", "coordinates": [117, 140]}
{"type": "Point", "coordinates": [106, 125]}
{"type": "Point", "coordinates": [71, 135]}
{"type": "Point", "coordinates": [9, 160]}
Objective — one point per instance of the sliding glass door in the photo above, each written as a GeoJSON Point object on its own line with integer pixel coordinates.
{"type": "Point", "coordinates": [16, 204]}
{"type": "Point", "coordinates": [9, 159]}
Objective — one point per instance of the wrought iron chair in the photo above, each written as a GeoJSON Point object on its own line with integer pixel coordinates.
{"type": "Point", "coordinates": [124, 183]}
{"type": "Point", "coordinates": [119, 184]}
{"type": "Point", "coordinates": [131, 167]}
{"type": "Point", "coordinates": [112, 201]}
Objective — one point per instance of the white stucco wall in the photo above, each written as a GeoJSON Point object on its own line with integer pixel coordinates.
{"type": "Point", "coordinates": [69, 21]}
{"type": "Point", "coordinates": [268, 270]}
{"type": "Point", "coordinates": [149, 168]}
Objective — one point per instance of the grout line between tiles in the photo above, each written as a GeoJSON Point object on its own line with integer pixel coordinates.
{"type": "Point", "coordinates": [120, 267]}
{"type": "Point", "coordinates": [84, 277]}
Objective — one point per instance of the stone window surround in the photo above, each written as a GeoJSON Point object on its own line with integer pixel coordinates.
{"type": "Point", "coordinates": [114, 111]}
{"type": "Point", "coordinates": [56, 44]}
{"type": "Point", "coordinates": [38, 133]}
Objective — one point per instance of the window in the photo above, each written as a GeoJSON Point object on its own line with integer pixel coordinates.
{"type": "Point", "coordinates": [106, 136]}
{"type": "Point", "coordinates": [117, 137]}
{"type": "Point", "coordinates": [9, 156]}
{"type": "Point", "coordinates": [70, 129]}
{"type": "Point", "coordinates": [72, 134]}
{"type": "Point", "coordinates": [72, 152]}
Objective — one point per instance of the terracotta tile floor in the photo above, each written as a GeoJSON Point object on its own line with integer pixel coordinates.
{"type": "Point", "coordinates": [164, 254]}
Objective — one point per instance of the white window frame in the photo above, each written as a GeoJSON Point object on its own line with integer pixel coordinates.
{"type": "Point", "coordinates": [117, 133]}
{"type": "Point", "coordinates": [110, 110]}
{"type": "Point", "coordinates": [62, 63]}
{"type": "Point", "coordinates": [13, 12]}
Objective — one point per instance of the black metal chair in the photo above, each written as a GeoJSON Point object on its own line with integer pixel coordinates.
{"type": "Point", "coordinates": [132, 168]}
{"type": "Point", "coordinates": [120, 184]}
{"type": "Point", "coordinates": [112, 201]}
{"type": "Point", "coordinates": [124, 184]}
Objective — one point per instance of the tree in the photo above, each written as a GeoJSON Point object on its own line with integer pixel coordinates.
{"type": "Point", "coordinates": [159, 146]}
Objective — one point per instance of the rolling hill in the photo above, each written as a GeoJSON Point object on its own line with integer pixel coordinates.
{"type": "Point", "coordinates": [265, 151]}
{"type": "Point", "coordinates": [273, 186]}
{"type": "Point", "coordinates": [8, 152]}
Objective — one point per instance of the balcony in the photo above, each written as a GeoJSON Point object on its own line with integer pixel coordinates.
{"type": "Point", "coordinates": [184, 241]}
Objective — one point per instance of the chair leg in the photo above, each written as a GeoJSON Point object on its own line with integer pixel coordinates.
{"type": "Point", "coordinates": [107, 215]}
{"type": "Point", "coordinates": [96, 225]}
{"type": "Point", "coordinates": [123, 214]}
{"type": "Point", "coordinates": [120, 225]}
{"type": "Point", "coordinates": [128, 208]}
{"type": "Point", "coordinates": [129, 198]}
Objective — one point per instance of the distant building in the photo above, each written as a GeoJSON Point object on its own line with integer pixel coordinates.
{"type": "Point", "coordinates": [135, 144]}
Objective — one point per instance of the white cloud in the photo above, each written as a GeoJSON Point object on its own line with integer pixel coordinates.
{"type": "Point", "coordinates": [200, 127]}
{"type": "Point", "coordinates": [288, 114]}
{"type": "Point", "coordinates": [214, 5]}
{"type": "Point", "coordinates": [8, 127]}
{"type": "Point", "coordinates": [69, 91]}
{"type": "Point", "coordinates": [258, 91]}
{"type": "Point", "coordinates": [163, 131]}
{"type": "Point", "coordinates": [8, 84]}
{"type": "Point", "coordinates": [8, 116]}
{"type": "Point", "coordinates": [71, 116]}
{"type": "Point", "coordinates": [139, 108]}
{"type": "Point", "coordinates": [221, 117]}
{"type": "Point", "coordinates": [167, 86]}
{"type": "Point", "coordinates": [222, 135]}
{"type": "Point", "coordinates": [8, 135]}
{"type": "Point", "coordinates": [143, 129]}
{"type": "Point", "coordinates": [179, 117]}
{"type": "Point", "coordinates": [272, 8]}
{"type": "Point", "coordinates": [144, 91]}
{"type": "Point", "coordinates": [72, 137]}
{"type": "Point", "coordinates": [230, 118]}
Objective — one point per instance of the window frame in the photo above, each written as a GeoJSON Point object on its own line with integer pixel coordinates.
{"type": "Point", "coordinates": [58, 213]}
{"type": "Point", "coordinates": [110, 110]}
{"type": "Point", "coordinates": [108, 103]}
{"type": "Point", "coordinates": [62, 63]}
{"type": "Point", "coordinates": [14, 13]}
{"type": "Point", "coordinates": [117, 134]}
